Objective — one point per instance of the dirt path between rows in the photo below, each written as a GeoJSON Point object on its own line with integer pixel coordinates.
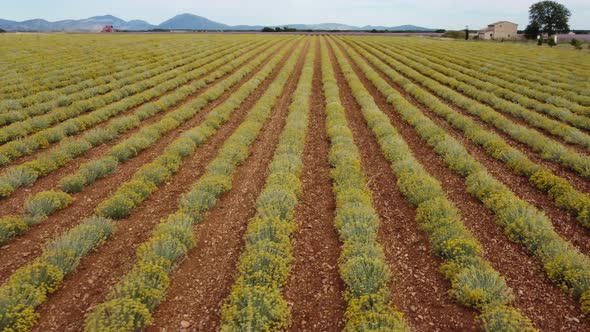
{"type": "Point", "coordinates": [99, 272]}
{"type": "Point", "coordinates": [418, 290]}
{"type": "Point", "coordinates": [314, 290]}
{"type": "Point", "coordinates": [565, 224]}
{"type": "Point", "coordinates": [203, 281]}
{"type": "Point", "coordinates": [25, 248]}
{"type": "Point", "coordinates": [533, 291]}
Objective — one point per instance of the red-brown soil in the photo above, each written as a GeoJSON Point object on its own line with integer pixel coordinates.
{"type": "Point", "coordinates": [418, 290]}
{"type": "Point", "coordinates": [204, 279]}
{"type": "Point", "coordinates": [314, 290]}
{"type": "Point", "coordinates": [100, 271]}
{"type": "Point", "coordinates": [29, 246]}
{"type": "Point", "coordinates": [565, 224]}
{"type": "Point", "coordinates": [533, 291]}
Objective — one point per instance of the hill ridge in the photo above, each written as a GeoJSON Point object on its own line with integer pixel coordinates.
{"type": "Point", "coordinates": [183, 21]}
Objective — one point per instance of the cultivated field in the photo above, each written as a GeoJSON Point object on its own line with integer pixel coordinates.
{"type": "Point", "coordinates": [306, 183]}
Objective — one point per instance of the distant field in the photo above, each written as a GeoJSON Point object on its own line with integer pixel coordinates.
{"type": "Point", "coordinates": [237, 182]}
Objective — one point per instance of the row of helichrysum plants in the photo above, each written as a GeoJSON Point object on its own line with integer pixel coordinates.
{"type": "Point", "coordinates": [43, 70]}
{"type": "Point", "coordinates": [527, 75]}
{"type": "Point", "coordinates": [107, 75]}
{"type": "Point", "coordinates": [512, 92]}
{"type": "Point", "coordinates": [159, 85]}
{"type": "Point", "coordinates": [568, 133]}
{"type": "Point", "coordinates": [91, 171]}
{"type": "Point", "coordinates": [27, 173]}
{"type": "Point", "coordinates": [147, 179]}
{"type": "Point", "coordinates": [557, 97]}
{"type": "Point", "coordinates": [546, 147]}
{"type": "Point", "coordinates": [96, 74]}
{"type": "Point", "coordinates": [39, 75]}
{"type": "Point", "coordinates": [29, 286]}
{"type": "Point", "coordinates": [475, 283]}
{"type": "Point", "coordinates": [132, 300]}
{"type": "Point", "coordinates": [256, 301]}
{"type": "Point", "coordinates": [149, 176]}
{"type": "Point", "coordinates": [497, 56]}
{"type": "Point", "coordinates": [37, 208]}
{"type": "Point", "coordinates": [29, 120]}
{"type": "Point", "coordinates": [542, 102]}
{"type": "Point", "coordinates": [565, 195]}
{"type": "Point", "coordinates": [566, 86]}
{"type": "Point", "coordinates": [103, 75]}
{"type": "Point", "coordinates": [522, 222]}
{"type": "Point", "coordinates": [362, 263]}
{"type": "Point", "coordinates": [118, 90]}
{"type": "Point", "coordinates": [99, 86]}
{"type": "Point", "coordinates": [39, 64]}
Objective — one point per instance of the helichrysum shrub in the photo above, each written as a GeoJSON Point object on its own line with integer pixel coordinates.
{"type": "Point", "coordinates": [365, 275]}
{"type": "Point", "coordinates": [505, 319]}
{"type": "Point", "coordinates": [116, 207]}
{"type": "Point", "coordinates": [46, 202]}
{"type": "Point", "coordinates": [118, 315]}
{"type": "Point", "coordinates": [10, 227]}
{"type": "Point", "coordinates": [97, 169]}
{"type": "Point", "coordinates": [40, 275]}
{"type": "Point", "coordinates": [478, 286]}
{"type": "Point", "coordinates": [17, 306]}
{"type": "Point", "coordinates": [73, 183]}
{"type": "Point", "coordinates": [20, 176]}
{"type": "Point", "coordinates": [146, 284]}
{"type": "Point", "coordinates": [66, 251]}
{"type": "Point", "coordinates": [256, 309]}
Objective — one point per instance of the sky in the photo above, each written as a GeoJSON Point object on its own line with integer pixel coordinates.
{"type": "Point", "coordinates": [445, 14]}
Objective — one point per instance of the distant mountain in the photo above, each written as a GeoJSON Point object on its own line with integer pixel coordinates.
{"type": "Point", "coordinates": [94, 23]}
{"type": "Point", "coordinates": [192, 22]}
{"type": "Point", "coordinates": [35, 25]}
{"type": "Point", "coordinates": [136, 25]}
{"type": "Point", "coordinates": [178, 22]}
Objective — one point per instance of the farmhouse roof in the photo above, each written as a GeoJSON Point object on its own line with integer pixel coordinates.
{"type": "Point", "coordinates": [496, 23]}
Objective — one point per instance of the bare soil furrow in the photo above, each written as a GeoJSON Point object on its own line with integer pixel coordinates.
{"type": "Point", "coordinates": [417, 289]}
{"type": "Point", "coordinates": [203, 280]}
{"type": "Point", "coordinates": [25, 248]}
{"type": "Point", "coordinates": [99, 272]}
{"type": "Point", "coordinates": [565, 224]}
{"type": "Point", "coordinates": [315, 289]}
{"type": "Point", "coordinates": [533, 291]}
